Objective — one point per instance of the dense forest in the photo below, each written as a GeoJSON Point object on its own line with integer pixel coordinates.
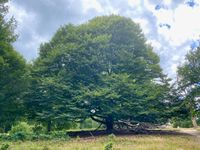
{"type": "Point", "coordinates": [101, 72]}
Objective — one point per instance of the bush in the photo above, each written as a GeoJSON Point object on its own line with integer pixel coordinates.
{"type": "Point", "coordinates": [21, 127]}
{"type": "Point", "coordinates": [108, 146]}
{"type": "Point", "coordinates": [4, 146]}
{"type": "Point", "coordinates": [4, 137]}
{"type": "Point", "coordinates": [22, 131]}
{"type": "Point", "coordinates": [19, 136]}
{"type": "Point", "coordinates": [182, 123]}
{"type": "Point", "coordinates": [38, 129]}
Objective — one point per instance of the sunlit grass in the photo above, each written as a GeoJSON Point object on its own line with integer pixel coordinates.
{"type": "Point", "coordinates": [119, 143]}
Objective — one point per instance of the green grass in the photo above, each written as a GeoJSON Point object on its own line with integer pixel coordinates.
{"type": "Point", "coordinates": [119, 143]}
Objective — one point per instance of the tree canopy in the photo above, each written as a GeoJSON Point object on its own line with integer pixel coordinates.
{"type": "Point", "coordinates": [107, 71]}
{"type": "Point", "coordinates": [12, 72]}
{"type": "Point", "coordinates": [189, 83]}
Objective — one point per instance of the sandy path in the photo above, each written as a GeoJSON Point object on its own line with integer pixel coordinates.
{"type": "Point", "coordinates": [192, 132]}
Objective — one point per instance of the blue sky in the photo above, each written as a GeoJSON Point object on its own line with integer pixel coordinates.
{"type": "Point", "coordinates": [171, 26]}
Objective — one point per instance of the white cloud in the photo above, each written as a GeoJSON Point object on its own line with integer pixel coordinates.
{"type": "Point", "coordinates": [26, 21]}
{"type": "Point", "coordinates": [37, 24]}
{"type": "Point", "coordinates": [94, 4]}
{"type": "Point", "coordinates": [184, 22]}
{"type": "Point", "coordinates": [187, 23]}
{"type": "Point", "coordinates": [167, 2]}
{"type": "Point", "coordinates": [22, 17]}
{"type": "Point", "coordinates": [134, 3]}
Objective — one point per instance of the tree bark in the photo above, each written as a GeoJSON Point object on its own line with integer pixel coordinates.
{"type": "Point", "coordinates": [109, 123]}
{"type": "Point", "coordinates": [194, 121]}
{"type": "Point", "coordinates": [49, 126]}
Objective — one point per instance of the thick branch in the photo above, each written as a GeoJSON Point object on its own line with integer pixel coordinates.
{"type": "Point", "coordinates": [97, 120]}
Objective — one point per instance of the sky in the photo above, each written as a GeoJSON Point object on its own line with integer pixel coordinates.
{"type": "Point", "coordinates": [172, 27]}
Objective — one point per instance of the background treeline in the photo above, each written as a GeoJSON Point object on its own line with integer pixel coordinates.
{"type": "Point", "coordinates": [102, 72]}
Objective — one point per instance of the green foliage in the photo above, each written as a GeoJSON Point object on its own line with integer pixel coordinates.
{"type": "Point", "coordinates": [22, 136]}
{"type": "Point", "coordinates": [21, 127]}
{"type": "Point", "coordinates": [19, 136]}
{"type": "Point", "coordinates": [111, 139]}
{"type": "Point", "coordinates": [7, 26]}
{"type": "Point", "coordinates": [38, 129]}
{"type": "Point", "coordinates": [4, 147]}
{"type": "Point", "coordinates": [12, 73]}
{"type": "Point", "coordinates": [88, 124]}
{"type": "Point", "coordinates": [108, 146]}
{"type": "Point", "coordinates": [182, 123]}
{"type": "Point", "coordinates": [102, 69]}
{"type": "Point", "coordinates": [189, 84]}
{"type": "Point", "coordinates": [23, 131]}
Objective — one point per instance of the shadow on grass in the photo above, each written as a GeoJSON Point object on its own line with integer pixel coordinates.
{"type": "Point", "coordinates": [90, 133]}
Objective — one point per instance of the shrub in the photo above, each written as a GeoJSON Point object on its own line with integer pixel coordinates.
{"type": "Point", "coordinates": [21, 127]}
{"type": "Point", "coordinates": [5, 137]}
{"type": "Point", "coordinates": [19, 136]}
{"type": "Point", "coordinates": [4, 146]}
{"type": "Point", "coordinates": [22, 131]}
{"type": "Point", "coordinates": [108, 146]}
{"type": "Point", "coordinates": [38, 129]}
{"type": "Point", "coordinates": [183, 123]}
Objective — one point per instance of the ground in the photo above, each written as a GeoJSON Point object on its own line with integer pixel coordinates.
{"type": "Point", "coordinates": [187, 141]}
{"type": "Point", "coordinates": [193, 132]}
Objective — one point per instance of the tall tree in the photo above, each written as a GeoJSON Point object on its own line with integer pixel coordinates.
{"type": "Point", "coordinates": [189, 83]}
{"type": "Point", "coordinates": [12, 72]}
{"type": "Point", "coordinates": [112, 73]}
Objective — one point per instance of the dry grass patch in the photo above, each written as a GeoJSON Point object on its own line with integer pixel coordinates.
{"type": "Point", "coordinates": [146, 142]}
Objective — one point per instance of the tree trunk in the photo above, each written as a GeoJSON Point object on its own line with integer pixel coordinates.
{"type": "Point", "coordinates": [49, 126]}
{"type": "Point", "coordinates": [194, 121]}
{"type": "Point", "coordinates": [109, 124]}
{"type": "Point", "coordinates": [7, 128]}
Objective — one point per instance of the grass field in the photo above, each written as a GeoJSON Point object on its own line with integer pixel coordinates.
{"type": "Point", "coordinates": [145, 142]}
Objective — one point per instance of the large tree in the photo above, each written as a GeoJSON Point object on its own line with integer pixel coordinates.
{"type": "Point", "coordinates": [111, 72]}
{"type": "Point", "coordinates": [189, 84]}
{"type": "Point", "coordinates": [12, 72]}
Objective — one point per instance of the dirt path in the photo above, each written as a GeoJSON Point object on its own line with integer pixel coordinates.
{"type": "Point", "coordinates": [192, 132]}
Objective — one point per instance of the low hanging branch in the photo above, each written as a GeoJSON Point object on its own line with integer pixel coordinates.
{"type": "Point", "coordinates": [135, 125]}
{"type": "Point", "coordinates": [97, 120]}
